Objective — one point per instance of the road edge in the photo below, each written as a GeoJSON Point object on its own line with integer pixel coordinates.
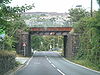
{"type": "Point", "coordinates": [13, 72]}
{"type": "Point", "coordinates": [79, 64]}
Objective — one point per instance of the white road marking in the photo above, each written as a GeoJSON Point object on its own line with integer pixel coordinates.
{"type": "Point", "coordinates": [60, 72]}
{"type": "Point", "coordinates": [36, 63]}
{"type": "Point", "coordinates": [81, 66]}
{"type": "Point", "coordinates": [49, 61]}
{"type": "Point", "coordinates": [53, 65]}
{"type": "Point", "coordinates": [29, 61]}
{"type": "Point", "coordinates": [25, 65]}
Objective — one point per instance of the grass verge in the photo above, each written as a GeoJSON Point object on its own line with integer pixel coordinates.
{"type": "Point", "coordinates": [87, 64]}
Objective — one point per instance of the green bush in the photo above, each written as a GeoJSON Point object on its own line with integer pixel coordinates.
{"type": "Point", "coordinates": [89, 39]}
{"type": "Point", "coordinates": [7, 61]}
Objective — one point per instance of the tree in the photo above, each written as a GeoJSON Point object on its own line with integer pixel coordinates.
{"type": "Point", "coordinates": [89, 30]}
{"type": "Point", "coordinates": [45, 43]}
{"type": "Point", "coordinates": [5, 1]}
{"type": "Point", "coordinates": [11, 21]}
{"type": "Point", "coordinates": [77, 13]}
{"type": "Point", "coordinates": [37, 42]}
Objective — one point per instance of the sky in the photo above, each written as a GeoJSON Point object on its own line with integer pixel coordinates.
{"type": "Point", "coordinates": [60, 6]}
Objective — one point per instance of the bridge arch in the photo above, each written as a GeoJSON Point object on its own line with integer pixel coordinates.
{"type": "Point", "coordinates": [64, 31]}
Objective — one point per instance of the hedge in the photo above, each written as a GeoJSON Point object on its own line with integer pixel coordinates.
{"type": "Point", "coordinates": [7, 61]}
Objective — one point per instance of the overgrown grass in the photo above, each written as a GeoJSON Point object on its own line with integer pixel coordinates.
{"type": "Point", "coordinates": [19, 55]}
{"type": "Point", "coordinates": [17, 63]}
{"type": "Point", "coordinates": [87, 64]}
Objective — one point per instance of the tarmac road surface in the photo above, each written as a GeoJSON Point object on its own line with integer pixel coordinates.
{"type": "Point", "coordinates": [51, 63]}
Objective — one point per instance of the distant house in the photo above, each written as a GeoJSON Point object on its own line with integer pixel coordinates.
{"type": "Point", "coordinates": [46, 19]}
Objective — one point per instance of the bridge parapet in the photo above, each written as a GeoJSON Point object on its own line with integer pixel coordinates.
{"type": "Point", "coordinates": [51, 29]}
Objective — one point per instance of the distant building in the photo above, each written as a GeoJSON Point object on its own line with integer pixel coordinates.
{"type": "Point", "coordinates": [46, 19]}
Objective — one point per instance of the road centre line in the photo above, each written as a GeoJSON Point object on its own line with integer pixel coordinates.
{"type": "Point", "coordinates": [47, 59]}
{"type": "Point", "coordinates": [53, 65]}
{"type": "Point", "coordinates": [60, 72]}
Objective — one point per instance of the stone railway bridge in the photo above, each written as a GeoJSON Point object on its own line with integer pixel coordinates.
{"type": "Point", "coordinates": [70, 44]}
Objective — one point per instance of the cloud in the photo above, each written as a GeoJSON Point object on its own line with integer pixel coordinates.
{"type": "Point", "coordinates": [55, 5]}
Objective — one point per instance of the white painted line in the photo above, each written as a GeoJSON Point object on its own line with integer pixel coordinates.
{"type": "Point", "coordinates": [81, 66]}
{"type": "Point", "coordinates": [49, 61]}
{"type": "Point", "coordinates": [25, 65]}
{"type": "Point", "coordinates": [53, 65]}
{"type": "Point", "coordinates": [60, 72]}
{"type": "Point", "coordinates": [29, 61]}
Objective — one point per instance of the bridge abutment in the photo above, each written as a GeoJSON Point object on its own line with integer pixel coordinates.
{"type": "Point", "coordinates": [68, 46]}
{"type": "Point", "coordinates": [71, 45]}
{"type": "Point", "coordinates": [65, 48]}
{"type": "Point", "coordinates": [29, 53]}
{"type": "Point", "coordinates": [23, 45]}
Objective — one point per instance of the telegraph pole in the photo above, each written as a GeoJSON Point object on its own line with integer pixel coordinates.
{"type": "Point", "coordinates": [91, 11]}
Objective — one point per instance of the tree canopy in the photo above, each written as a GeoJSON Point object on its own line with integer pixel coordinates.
{"type": "Point", "coordinates": [77, 13]}
{"type": "Point", "coordinates": [11, 21]}
{"type": "Point", "coordinates": [45, 43]}
{"type": "Point", "coordinates": [88, 29]}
